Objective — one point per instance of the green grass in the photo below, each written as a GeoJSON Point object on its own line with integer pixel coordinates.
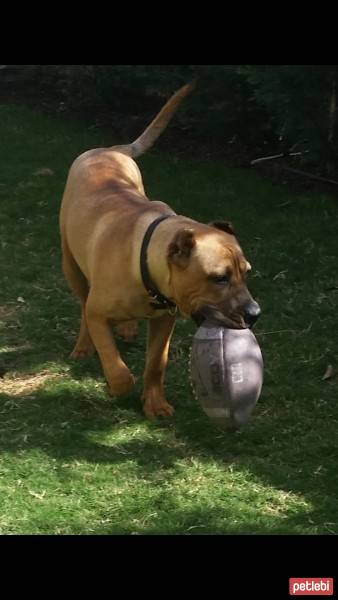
{"type": "Point", "coordinates": [72, 460]}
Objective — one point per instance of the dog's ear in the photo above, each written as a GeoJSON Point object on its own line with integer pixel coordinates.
{"type": "Point", "coordinates": [180, 248]}
{"type": "Point", "coordinates": [223, 226]}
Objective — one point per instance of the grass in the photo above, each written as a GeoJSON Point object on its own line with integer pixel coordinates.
{"type": "Point", "coordinates": [73, 461]}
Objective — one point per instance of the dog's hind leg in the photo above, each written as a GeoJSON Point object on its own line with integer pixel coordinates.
{"type": "Point", "coordinates": [84, 345]}
{"type": "Point", "coordinates": [127, 330]}
{"type": "Point", "coordinates": [79, 285]}
{"type": "Point", "coordinates": [119, 378]}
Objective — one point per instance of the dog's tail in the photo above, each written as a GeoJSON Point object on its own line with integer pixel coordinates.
{"type": "Point", "coordinates": [154, 130]}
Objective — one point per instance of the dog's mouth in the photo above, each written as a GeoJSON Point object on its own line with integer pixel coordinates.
{"type": "Point", "coordinates": [212, 313]}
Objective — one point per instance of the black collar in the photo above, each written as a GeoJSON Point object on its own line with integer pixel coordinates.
{"type": "Point", "coordinates": [158, 301]}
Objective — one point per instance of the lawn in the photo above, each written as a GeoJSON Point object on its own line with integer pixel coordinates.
{"type": "Point", "coordinates": [73, 461]}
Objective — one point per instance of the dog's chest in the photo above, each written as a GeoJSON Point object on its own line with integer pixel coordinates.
{"type": "Point", "coordinates": [134, 305]}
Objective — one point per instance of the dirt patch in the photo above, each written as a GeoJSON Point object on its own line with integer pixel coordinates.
{"type": "Point", "coordinates": [28, 384]}
{"type": "Point", "coordinates": [6, 311]}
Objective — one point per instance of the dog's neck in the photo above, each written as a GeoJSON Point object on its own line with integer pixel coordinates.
{"type": "Point", "coordinates": [158, 300]}
{"type": "Point", "coordinates": [158, 254]}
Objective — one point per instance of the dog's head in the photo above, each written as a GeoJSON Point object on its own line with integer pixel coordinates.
{"type": "Point", "coordinates": [208, 276]}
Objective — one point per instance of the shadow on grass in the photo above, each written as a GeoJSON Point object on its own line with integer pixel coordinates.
{"type": "Point", "coordinates": [26, 355]}
{"type": "Point", "coordinates": [64, 421]}
{"type": "Point", "coordinates": [291, 446]}
{"type": "Point", "coordinates": [192, 522]}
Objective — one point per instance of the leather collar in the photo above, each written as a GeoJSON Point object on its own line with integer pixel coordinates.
{"type": "Point", "coordinates": [158, 300]}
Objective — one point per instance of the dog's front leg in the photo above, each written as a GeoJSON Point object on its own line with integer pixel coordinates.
{"type": "Point", "coordinates": [118, 376]}
{"type": "Point", "coordinates": [159, 333]}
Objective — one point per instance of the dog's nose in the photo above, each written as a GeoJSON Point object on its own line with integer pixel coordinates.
{"type": "Point", "coordinates": [251, 313]}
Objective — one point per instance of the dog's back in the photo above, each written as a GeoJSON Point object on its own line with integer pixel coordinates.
{"type": "Point", "coordinates": [101, 168]}
{"type": "Point", "coordinates": [104, 189]}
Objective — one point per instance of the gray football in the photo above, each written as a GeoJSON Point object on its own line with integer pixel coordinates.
{"type": "Point", "coordinates": [226, 369]}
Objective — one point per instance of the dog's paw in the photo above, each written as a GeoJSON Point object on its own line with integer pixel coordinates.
{"type": "Point", "coordinates": [157, 407]}
{"type": "Point", "coordinates": [82, 351]}
{"type": "Point", "coordinates": [121, 385]}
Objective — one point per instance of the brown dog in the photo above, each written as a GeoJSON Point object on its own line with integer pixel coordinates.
{"type": "Point", "coordinates": [129, 258]}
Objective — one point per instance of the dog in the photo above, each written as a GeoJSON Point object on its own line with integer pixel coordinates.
{"type": "Point", "coordinates": [128, 258]}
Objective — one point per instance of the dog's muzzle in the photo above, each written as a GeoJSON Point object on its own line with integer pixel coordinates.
{"type": "Point", "coordinates": [251, 313]}
{"type": "Point", "coordinates": [246, 319]}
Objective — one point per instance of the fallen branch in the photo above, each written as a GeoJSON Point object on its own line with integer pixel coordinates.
{"type": "Point", "coordinates": [309, 175]}
{"type": "Point", "coordinates": [279, 331]}
{"type": "Point", "coordinates": [290, 169]}
{"type": "Point", "coordinates": [273, 156]}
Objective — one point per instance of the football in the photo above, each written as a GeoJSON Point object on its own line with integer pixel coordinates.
{"type": "Point", "coordinates": [226, 367]}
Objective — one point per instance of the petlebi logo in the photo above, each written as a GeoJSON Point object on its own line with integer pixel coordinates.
{"type": "Point", "coordinates": [309, 586]}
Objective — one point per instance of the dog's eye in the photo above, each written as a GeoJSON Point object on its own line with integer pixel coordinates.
{"type": "Point", "coordinates": [220, 279]}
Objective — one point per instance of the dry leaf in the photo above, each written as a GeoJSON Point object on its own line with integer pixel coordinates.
{"type": "Point", "coordinates": [280, 275]}
{"type": "Point", "coordinates": [330, 372]}
{"type": "Point", "coordinates": [36, 495]}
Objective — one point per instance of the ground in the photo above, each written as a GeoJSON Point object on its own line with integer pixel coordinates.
{"type": "Point", "coordinates": [74, 461]}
